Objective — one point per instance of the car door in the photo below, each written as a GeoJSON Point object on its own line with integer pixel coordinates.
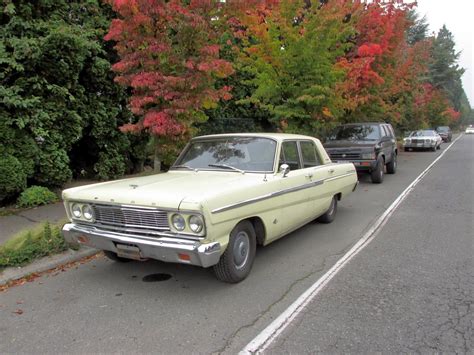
{"type": "Point", "coordinates": [387, 142]}
{"type": "Point", "coordinates": [297, 207]}
{"type": "Point", "coordinates": [316, 174]}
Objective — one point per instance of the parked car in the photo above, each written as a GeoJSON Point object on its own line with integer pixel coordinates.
{"type": "Point", "coordinates": [224, 195]}
{"type": "Point", "coordinates": [469, 130]}
{"type": "Point", "coordinates": [445, 133]}
{"type": "Point", "coordinates": [369, 146]}
{"type": "Point", "coordinates": [423, 139]}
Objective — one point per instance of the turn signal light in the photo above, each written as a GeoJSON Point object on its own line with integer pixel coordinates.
{"type": "Point", "coordinates": [184, 257]}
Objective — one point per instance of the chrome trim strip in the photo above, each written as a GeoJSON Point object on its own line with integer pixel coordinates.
{"type": "Point", "coordinates": [142, 233]}
{"type": "Point", "coordinates": [278, 193]}
{"type": "Point", "coordinates": [340, 176]}
{"type": "Point", "coordinates": [267, 196]}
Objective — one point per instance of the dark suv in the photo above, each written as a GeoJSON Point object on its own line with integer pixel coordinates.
{"type": "Point", "coordinates": [445, 133]}
{"type": "Point", "coordinates": [369, 146]}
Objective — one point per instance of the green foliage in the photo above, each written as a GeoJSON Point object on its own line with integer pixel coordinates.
{"type": "Point", "coordinates": [60, 107]}
{"type": "Point", "coordinates": [36, 196]}
{"type": "Point", "coordinates": [33, 244]}
{"type": "Point", "coordinates": [12, 176]}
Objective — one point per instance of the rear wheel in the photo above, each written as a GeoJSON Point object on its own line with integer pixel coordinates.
{"type": "Point", "coordinates": [330, 214]}
{"type": "Point", "coordinates": [392, 165]}
{"type": "Point", "coordinates": [236, 262]}
{"type": "Point", "coordinates": [114, 257]}
{"type": "Point", "coordinates": [377, 174]}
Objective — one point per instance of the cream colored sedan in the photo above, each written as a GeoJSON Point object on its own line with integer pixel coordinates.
{"type": "Point", "coordinates": [224, 195]}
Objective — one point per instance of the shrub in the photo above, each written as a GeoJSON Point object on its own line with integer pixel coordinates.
{"type": "Point", "coordinates": [24, 248]}
{"type": "Point", "coordinates": [12, 177]}
{"type": "Point", "coordinates": [35, 196]}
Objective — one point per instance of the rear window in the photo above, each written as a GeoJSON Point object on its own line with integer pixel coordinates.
{"type": "Point", "coordinates": [356, 133]}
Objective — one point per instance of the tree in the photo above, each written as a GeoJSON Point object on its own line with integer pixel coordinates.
{"type": "Point", "coordinates": [170, 58]}
{"type": "Point", "coordinates": [57, 90]}
{"type": "Point", "coordinates": [292, 49]}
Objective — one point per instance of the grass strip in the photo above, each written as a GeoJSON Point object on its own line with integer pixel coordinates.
{"type": "Point", "coordinates": [22, 249]}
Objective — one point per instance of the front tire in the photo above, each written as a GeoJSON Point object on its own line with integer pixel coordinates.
{"type": "Point", "coordinates": [377, 175]}
{"type": "Point", "coordinates": [236, 262]}
{"type": "Point", "coordinates": [330, 214]}
{"type": "Point", "coordinates": [114, 257]}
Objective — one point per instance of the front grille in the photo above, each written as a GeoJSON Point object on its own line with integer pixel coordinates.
{"type": "Point", "coordinates": [131, 217]}
{"type": "Point", "coordinates": [344, 156]}
{"type": "Point", "coordinates": [420, 140]}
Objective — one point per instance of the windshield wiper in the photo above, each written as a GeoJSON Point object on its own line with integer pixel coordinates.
{"type": "Point", "coordinates": [225, 166]}
{"type": "Point", "coordinates": [183, 166]}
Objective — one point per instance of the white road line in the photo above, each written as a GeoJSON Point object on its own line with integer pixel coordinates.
{"type": "Point", "coordinates": [263, 340]}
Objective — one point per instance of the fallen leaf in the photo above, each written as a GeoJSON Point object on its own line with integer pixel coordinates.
{"type": "Point", "coordinates": [18, 311]}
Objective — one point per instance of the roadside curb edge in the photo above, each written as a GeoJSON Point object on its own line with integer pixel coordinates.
{"type": "Point", "coordinates": [45, 264]}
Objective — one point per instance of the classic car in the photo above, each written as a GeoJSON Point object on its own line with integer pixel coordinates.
{"type": "Point", "coordinates": [225, 195]}
{"type": "Point", "coordinates": [370, 146]}
{"type": "Point", "coordinates": [423, 139]}
{"type": "Point", "coordinates": [445, 133]}
{"type": "Point", "coordinates": [469, 130]}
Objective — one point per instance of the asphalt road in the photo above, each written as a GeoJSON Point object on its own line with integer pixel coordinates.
{"type": "Point", "coordinates": [103, 306]}
{"type": "Point", "coordinates": [411, 290]}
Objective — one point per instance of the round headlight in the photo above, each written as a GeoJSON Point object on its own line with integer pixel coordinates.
{"type": "Point", "coordinates": [76, 210]}
{"type": "Point", "coordinates": [178, 222]}
{"type": "Point", "coordinates": [196, 224]}
{"type": "Point", "coordinates": [87, 212]}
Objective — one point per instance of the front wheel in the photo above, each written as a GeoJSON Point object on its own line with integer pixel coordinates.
{"type": "Point", "coordinates": [330, 214]}
{"type": "Point", "coordinates": [236, 262]}
{"type": "Point", "coordinates": [114, 257]}
{"type": "Point", "coordinates": [377, 175]}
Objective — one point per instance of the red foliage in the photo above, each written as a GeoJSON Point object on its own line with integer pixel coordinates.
{"type": "Point", "coordinates": [170, 57]}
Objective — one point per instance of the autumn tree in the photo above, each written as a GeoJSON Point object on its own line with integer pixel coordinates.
{"type": "Point", "coordinates": [170, 58]}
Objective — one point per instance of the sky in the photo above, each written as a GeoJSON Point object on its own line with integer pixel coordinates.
{"type": "Point", "coordinates": [458, 17]}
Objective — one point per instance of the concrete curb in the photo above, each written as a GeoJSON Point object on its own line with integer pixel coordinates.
{"type": "Point", "coordinates": [44, 264]}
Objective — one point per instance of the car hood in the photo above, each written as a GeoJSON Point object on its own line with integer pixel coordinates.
{"type": "Point", "coordinates": [167, 190]}
{"type": "Point", "coordinates": [421, 137]}
{"type": "Point", "coordinates": [349, 144]}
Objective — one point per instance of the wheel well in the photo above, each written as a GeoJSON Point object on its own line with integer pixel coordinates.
{"type": "Point", "coordinates": [259, 229]}
{"type": "Point", "coordinates": [338, 196]}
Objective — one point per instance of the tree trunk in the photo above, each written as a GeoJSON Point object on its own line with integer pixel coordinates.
{"type": "Point", "coordinates": [157, 158]}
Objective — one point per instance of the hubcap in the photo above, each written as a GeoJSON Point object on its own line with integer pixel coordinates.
{"type": "Point", "coordinates": [241, 249]}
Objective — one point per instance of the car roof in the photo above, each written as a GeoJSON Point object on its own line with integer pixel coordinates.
{"type": "Point", "coordinates": [275, 136]}
{"type": "Point", "coordinates": [363, 123]}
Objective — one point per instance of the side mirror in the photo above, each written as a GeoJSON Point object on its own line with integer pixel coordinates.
{"type": "Point", "coordinates": [285, 169]}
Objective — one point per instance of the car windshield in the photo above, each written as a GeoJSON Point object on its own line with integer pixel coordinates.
{"type": "Point", "coordinates": [442, 129]}
{"type": "Point", "coordinates": [422, 133]}
{"type": "Point", "coordinates": [356, 133]}
{"type": "Point", "coordinates": [251, 154]}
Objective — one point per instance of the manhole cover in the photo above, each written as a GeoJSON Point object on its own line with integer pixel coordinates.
{"type": "Point", "coordinates": [156, 277]}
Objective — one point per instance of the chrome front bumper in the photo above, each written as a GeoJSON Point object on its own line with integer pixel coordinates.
{"type": "Point", "coordinates": [174, 250]}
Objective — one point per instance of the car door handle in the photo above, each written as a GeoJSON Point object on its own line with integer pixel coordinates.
{"type": "Point", "coordinates": [331, 171]}
{"type": "Point", "coordinates": [309, 176]}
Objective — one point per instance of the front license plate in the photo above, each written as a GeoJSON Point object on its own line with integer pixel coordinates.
{"type": "Point", "coordinates": [128, 251]}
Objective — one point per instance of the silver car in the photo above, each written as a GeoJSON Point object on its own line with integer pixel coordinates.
{"type": "Point", "coordinates": [423, 139]}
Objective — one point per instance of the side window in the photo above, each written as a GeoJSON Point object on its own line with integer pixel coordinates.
{"type": "Point", "coordinates": [310, 157]}
{"type": "Point", "coordinates": [385, 132]}
{"type": "Point", "coordinates": [390, 129]}
{"type": "Point", "coordinates": [289, 155]}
